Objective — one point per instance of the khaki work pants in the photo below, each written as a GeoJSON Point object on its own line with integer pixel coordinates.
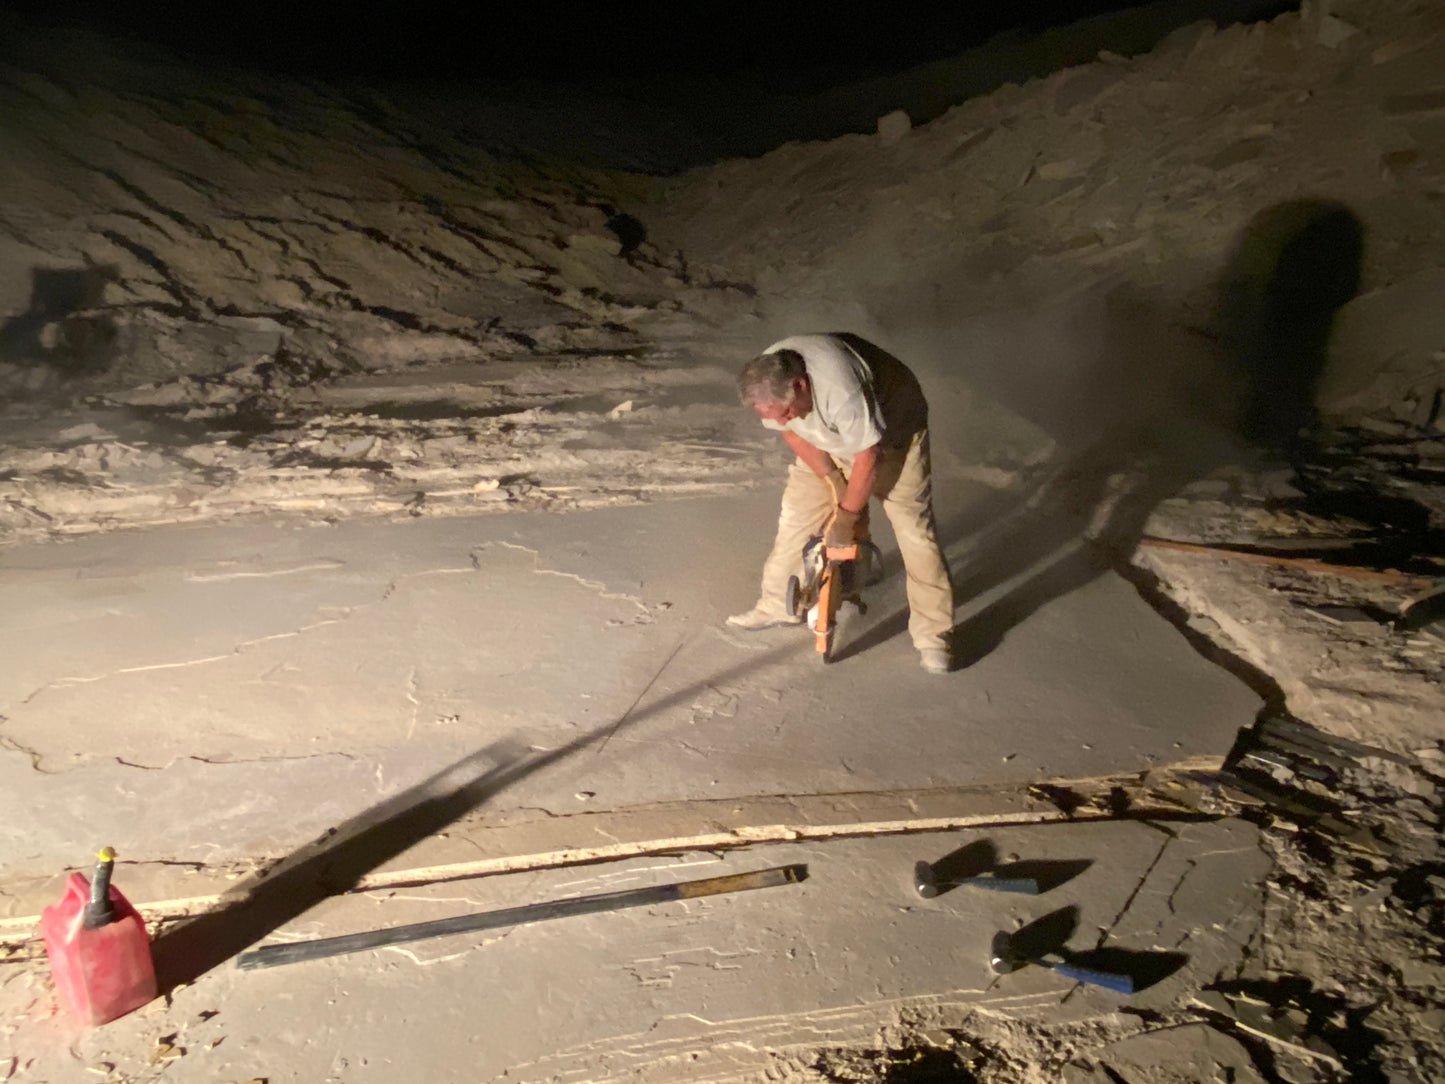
{"type": "Point", "coordinates": [904, 484]}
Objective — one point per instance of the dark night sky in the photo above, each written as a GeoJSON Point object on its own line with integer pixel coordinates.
{"type": "Point", "coordinates": [564, 41]}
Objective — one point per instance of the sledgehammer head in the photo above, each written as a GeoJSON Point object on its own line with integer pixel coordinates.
{"type": "Point", "coordinates": [1006, 955]}
{"type": "Point", "coordinates": [1002, 956]}
{"type": "Point", "coordinates": [925, 879]}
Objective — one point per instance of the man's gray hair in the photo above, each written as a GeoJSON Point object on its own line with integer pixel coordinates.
{"type": "Point", "coordinates": [768, 378]}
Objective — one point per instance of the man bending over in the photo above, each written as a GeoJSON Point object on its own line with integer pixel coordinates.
{"type": "Point", "coordinates": [857, 421]}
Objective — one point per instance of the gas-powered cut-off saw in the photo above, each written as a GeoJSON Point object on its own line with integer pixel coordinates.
{"type": "Point", "coordinates": [832, 575]}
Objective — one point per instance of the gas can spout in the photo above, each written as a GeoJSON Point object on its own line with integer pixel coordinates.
{"type": "Point", "coordinates": [98, 909]}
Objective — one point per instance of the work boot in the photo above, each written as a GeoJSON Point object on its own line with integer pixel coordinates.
{"type": "Point", "coordinates": [761, 617]}
{"type": "Point", "coordinates": [935, 659]}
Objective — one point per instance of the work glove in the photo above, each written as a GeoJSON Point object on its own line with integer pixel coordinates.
{"type": "Point", "coordinates": [842, 529]}
{"type": "Point", "coordinates": [837, 483]}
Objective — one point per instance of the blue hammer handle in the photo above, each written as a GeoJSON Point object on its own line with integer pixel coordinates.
{"type": "Point", "coordinates": [1123, 984]}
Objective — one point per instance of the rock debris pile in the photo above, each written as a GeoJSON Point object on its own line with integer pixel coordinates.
{"type": "Point", "coordinates": [225, 294]}
{"type": "Point", "coordinates": [225, 297]}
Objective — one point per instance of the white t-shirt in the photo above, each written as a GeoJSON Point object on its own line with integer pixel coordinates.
{"type": "Point", "coordinates": [846, 417]}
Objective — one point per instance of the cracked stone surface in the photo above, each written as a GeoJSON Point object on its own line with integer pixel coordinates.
{"type": "Point", "coordinates": [716, 985]}
{"type": "Point", "coordinates": [1181, 1055]}
{"type": "Point", "coordinates": [232, 307]}
{"type": "Point", "coordinates": [276, 667]}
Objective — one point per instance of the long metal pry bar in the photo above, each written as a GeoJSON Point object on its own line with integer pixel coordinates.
{"type": "Point", "coordinates": [296, 951]}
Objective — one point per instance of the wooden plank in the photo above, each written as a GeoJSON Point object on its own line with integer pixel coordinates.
{"type": "Point", "coordinates": [712, 825]}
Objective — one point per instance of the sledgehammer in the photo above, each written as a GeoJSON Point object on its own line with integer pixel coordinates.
{"type": "Point", "coordinates": [925, 879]}
{"type": "Point", "coordinates": [1006, 956]}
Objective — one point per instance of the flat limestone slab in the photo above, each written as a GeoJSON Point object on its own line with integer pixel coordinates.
{"type": "Point", "coordinates": [224, 694]}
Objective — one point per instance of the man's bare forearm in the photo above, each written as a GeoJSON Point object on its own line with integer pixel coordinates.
{"type": "Point", "coordinates": [860, 476]}
{"type": "Point", "coordinates": [817, 460]}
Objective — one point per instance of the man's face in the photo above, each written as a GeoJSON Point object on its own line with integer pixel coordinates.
{"type": "Point", "coordinates": [797, 407]}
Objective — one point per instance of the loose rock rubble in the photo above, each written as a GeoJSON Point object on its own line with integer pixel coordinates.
{"type": "Point", "coordinates": [252, 297]}
{"type": "Point", "coordinates": [192, 330]}
{"type": "Point", "coordinates": [1344, 983]}
{"type": "Point", "coordinates": [1303, 564]}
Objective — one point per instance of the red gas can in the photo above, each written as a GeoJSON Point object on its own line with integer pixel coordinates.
{"type": "Point", "coordinates": [99, 954]}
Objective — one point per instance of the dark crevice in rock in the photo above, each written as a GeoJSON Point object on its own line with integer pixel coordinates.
{"type": "Point", "coordinates": [146, 221]}
{"type": "Point", "coordinates": [446, 261]}
{"type": "Point", "coordinates": [396, 316]}
{"type": "Point", "coordinates": [343, 286]}
{"type": "Point", "coordinates": [140, 195]}
{"type": "Point", "coordinates": [372, 233]}
{"type": "Point", "coordinates": [156, 264]}
{"type": "Point", "coordinates": [1105, 931]}
{"type": "Point", "coordinates": [284, 317]}
{"type": "Point", "coordinates": [474, 237]}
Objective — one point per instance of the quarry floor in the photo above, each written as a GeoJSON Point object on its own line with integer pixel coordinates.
{"type": "Point", "coordinates": [292, 732]}
{"type": "Point", "coordinates": [209, 700]}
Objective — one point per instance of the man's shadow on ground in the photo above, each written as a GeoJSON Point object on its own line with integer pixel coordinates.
{"type": "Point", "coordinates": [337, 862]}
{"type": "Point", "coordinates": [1140, 405]}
